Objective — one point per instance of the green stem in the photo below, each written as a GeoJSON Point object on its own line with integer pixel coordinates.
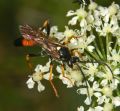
{"type": "Point", "coordinates": [107, 45]}
{"type": "Point", "coordinates": [98, 51]}
{"type": "Point", "coordinates": [116, 43]}
{"type": "Point", "coordinates": [94, 56]}
{"type": "Point", "coordinates": [102, 46]}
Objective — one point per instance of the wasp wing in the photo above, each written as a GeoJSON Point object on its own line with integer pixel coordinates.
{"type": "Point", "coordinates": [27, 32]}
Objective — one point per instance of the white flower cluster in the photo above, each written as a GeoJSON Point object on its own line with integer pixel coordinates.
{"type": "Point", "coordinates": [97, 39]}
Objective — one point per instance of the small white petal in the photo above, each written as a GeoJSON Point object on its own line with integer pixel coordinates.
{"type": "Point", "coordinates": [91, 109]}
{"type": "Point", "coordinates": [83, 23]}
{"type": "Point", "coordinates": [46, 76]}
{"type": "Point", "coordinates": [108, 107]}
{"type": "Point", "coordinates": [73, 21]}
{"type": "Point", "coordinates": [95, 85]}
{"type": "Point", "coordinates": [53, 29]}
{"type": "Point", "coordinates": [58, 69]}
{"type": "Point", "coordinates": [90, 48]}
{"type": "Point", "coordinates": [82, 91]}
{"type": "Point", "coordinates": [70, 13]}
{"type": "Point", "coordinates": [30, 83]}
{"type": "Point", "coordinates": [116, 101]}
{"type": "Point", "coordinates": [87, 101]}
{"type": "Point", "coordinates": [81, 108]}
{"type": "Point", "coordinates": [66, 81]}
{"type": "Point", "coordinates": [91, 78]}
{"type": "Point", "coordinates": [40, 87]}
{"type": "Point", "coordinates": [101, 99]}
{"type": "Point", "coordinates": [38, 68]}
{"type": "Point", "coordinates": [98, 108]}
{"type": "Point", "coordinates": [97, 94]}
{"type": "Point", "coordinates": [90, 39]}
{"type": "Point", "coordinates": [104, 82]}
{"type": "Point", "coordinates": [117, 71]}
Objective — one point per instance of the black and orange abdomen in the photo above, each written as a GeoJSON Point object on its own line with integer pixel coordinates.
{"type": "Point", "coordinates": [23, 42]}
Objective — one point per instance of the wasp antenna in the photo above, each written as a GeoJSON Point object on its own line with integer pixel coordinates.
{"type": "Point", "coordinates": [100, 62]}
{"type": "Point", "coordinates": [85, 80]}
{"type": "Point", "coordinates": [84, 2]}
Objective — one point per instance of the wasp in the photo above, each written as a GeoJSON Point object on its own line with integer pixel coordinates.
{"type": "Point", "coordinates": [55, 50]}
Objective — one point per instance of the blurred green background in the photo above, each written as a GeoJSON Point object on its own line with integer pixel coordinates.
{"type": "Point", "coordinates": [14, 94]}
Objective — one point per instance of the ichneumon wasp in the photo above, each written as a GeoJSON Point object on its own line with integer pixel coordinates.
{"type": "Point", "coordinates": [55, 50]}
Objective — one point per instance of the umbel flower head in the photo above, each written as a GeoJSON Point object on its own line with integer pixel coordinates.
{"type": "Point", "coordinates": [97, 40]}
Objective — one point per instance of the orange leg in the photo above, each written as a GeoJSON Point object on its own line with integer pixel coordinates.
{"type": "Point", "coordinates": [50, 79]}
{"type": "Point", "coordinates": [75, 52]}
{"type": "Point", "coordinates": [63, 73]}
{"type": "Point", "coordinates": [68, 40]}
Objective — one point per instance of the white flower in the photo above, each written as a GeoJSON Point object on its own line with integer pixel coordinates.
{"type": "Point", "coordinates": [93, 91]}
{"type": "Point", "coordinates": [38, 75]}
{"type": "Point", "coordinates": [80, 15]}
{"type": "Point", "coordinates": [115, 56]}
{"type": "Point", "coordinates": [92, 68]}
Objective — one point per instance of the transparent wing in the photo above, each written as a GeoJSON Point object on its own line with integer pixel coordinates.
{"type": "Point", "coordinates": [27, 32]}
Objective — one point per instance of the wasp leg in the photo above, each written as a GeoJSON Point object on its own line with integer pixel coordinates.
{"type": "Point", "coordinates": [28, 57]}
{"type": "Point", "coordinates": [68, 40]}
{"type": "Point", "coordinates": [76, 53]}
{"type": "Point", "coordinates": [46, 25]}
{"type": "Point", "coordinates": [50, 79]}
{"type": "Point", "coordinates": [63, 73]}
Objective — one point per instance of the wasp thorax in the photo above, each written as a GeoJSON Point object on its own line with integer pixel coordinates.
{"type": "Point", "coordinates": [64, 54]}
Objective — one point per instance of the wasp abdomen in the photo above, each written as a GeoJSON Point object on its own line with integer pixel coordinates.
{"type": "Point", "coordinates": [23, 42]}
